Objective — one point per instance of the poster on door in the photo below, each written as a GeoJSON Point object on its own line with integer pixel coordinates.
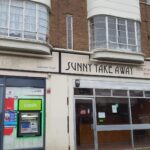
{"type": "Point", "coordinates": [10, 118]}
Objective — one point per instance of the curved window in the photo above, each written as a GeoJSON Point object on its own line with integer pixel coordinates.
{"type": "Point", "coordinates": [23, 19]}
{"type": "Point", "coordinates": [114, 33]}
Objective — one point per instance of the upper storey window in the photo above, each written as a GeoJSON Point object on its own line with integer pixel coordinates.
{"type": "Point", "coordinates": [23, 19]}
{"type": "Point", "coordinates": [109, 32]}
{"type": "Point", "coordinates": [148, 1]}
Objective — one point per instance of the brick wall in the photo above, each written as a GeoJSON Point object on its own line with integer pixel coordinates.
{"type": "Point", "coordinates": [76, 8]}
{"type": "Point", "coordinates": [145, 28]}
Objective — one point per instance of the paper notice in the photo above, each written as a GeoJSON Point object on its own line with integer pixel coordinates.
{"type": "Point", "coordinates": [101, 115]}
{"type": "Point", "coordinates": [114, 108]}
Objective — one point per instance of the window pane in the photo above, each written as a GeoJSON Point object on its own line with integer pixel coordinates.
{"type": "Point", "coordinates": [108, 108]}
{"type": "Point", "coordinates": [122, 38]}
{"type": "Point", "coordinates": [83, 91]}
{"type": "Point", "coordinates": [119, 93]}
{"type": "Point", "coordinates": [138, 36]}
{"type": "Point", "coordinates": [16, 18]}
{"type": "Point", "coordinates": [98, 32]}
{"type": "Point", "coordinates": [4, 14]}
{"type": "Point", "coordinates": [148, 1]}
{"type": "Point", "coordinates": [136, 93]}
{"type": "Point", "coordinates": [142, 139]}
{"type": "Point", "coordinates": [112, 33]}
{"type": "Point", "coordinates": [103, 92]}
{"type": "Point", "coordinates": [133, 48]}
{"type": "Point", "coordinates": [69, 28]}
{"type": "Point", "coordinates": [30, 20]}
{"type": "Point", "coordinates": [147, 93]}
{"type": "Point", "coordinates": [43, 23]}
{"type": "Point", "coordinates": [131, 34]}
{"type": "Point", "coordinates": [140, 111]}
{"type": "Point", "coordinates": [23, 20]}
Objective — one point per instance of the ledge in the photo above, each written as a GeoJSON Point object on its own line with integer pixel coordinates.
{"type": "Point", "coordinates": [25, 46]}
{"type": "Point", "coordinates": [115, 55]}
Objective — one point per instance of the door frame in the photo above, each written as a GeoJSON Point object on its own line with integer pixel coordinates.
{"type": "Point", "coordinates": [92, 99]}
{"type": "Point", "coordinates": [2, 115]}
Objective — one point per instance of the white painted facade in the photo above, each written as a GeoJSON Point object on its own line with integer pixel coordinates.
{"type": "Point", "coordinates": [45, 2]}
{"type": "Point", "coordinates": [57, 110]}
{"type": "Point", "coordinates": [57, 137]}
{"type": "Point", "coordinates": [61, 88]}
{"type": "Point", "coordinates": [124, 9]}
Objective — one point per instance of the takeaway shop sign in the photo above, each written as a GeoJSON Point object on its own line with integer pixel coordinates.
{"type": "Point", "coordinates": [98, 69]}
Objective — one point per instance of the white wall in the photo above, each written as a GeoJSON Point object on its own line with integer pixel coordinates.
{"type": "Point", "coordinates": [120, 8]}
{"type": "Point", "coordinates": [56, 113]}
{"type": "Point", "coordinates": [45, 2]}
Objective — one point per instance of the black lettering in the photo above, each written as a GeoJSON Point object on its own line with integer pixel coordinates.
{"type": "Point", "coordinates": [122, 69]}
{"type": "Point", "coordinates": [110, 67]}
{"type": "Point", "coordinates": [117, 70]}
{"type": "Point", "coordinates": [96, 67]}
{"type": "Point", "coordinates": [127, 70]}
{"type": "Point", "coordinates": [105, 69]}
{"type": "Point", "coordinates": [90, 66]}
{"type": "Point", "coordinates": [68, 66]}
{"type": "Point", "coordinates": [79, 66]}
{"type": "Point", "coordinates": [131, 70]}
{"type": "Point", "coordinates": [85, 67]}
{"type": "Point", "coordinates": [100, 68]}
{"type": "Point", "coordinates": [74, 67]}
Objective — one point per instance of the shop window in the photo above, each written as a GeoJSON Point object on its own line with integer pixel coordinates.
{"type": "Point", "coordinates": [119, 92]}
{"type": "Point", "coordinates": [83, 91]}
{"type": "Point", "coordinates": [136, 93]}
{"type": "Point", "coordinates": [23, 20]}
{"type": "Point", "coordinates": [147, 93]}
{"type": "Point", "coordinates": [108, 108]}
{"type": "Point", "coordinates": [103, 92]}
{"type": "Point", "coordinates": [114, 33]}
{"type": "Point", "coordinates": [140, 111]}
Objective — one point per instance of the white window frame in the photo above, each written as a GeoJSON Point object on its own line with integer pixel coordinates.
{"type": "Point", "coordinates": [127, 45]}
{"type": "Point", "coordinates": [22, 37]}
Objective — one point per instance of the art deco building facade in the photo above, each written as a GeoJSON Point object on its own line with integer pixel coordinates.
{"type": "Point", "coordinates": [74, 74]}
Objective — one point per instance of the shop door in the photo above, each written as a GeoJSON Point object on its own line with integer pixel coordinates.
{"type": "Point", "coordinates": [84, 124]}
{"type": "Point", "coordinates": [1, 117]}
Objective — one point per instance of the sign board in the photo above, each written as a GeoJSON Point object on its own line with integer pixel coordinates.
{"type": "Point", "coordinates": [30, 64]}
{"type": "Point", "coordinates": [80, 64]}
{"type": "Point", "coordinates": [30, 104]}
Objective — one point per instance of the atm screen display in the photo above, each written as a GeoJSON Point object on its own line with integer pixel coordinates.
{"type": "Point", "coordinates": [29, 124]}
{"type": "Point", "coordinates": [25, 126]}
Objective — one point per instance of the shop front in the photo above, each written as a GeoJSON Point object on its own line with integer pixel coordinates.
{"type": "Point", "coordinates": [112, 117]}
{"type": "Point", "coordinates": [23, 100]}
{"type": "Point", "coordinates": [22, 113]}
{"type": "Point", "coordinates": [111, 102]}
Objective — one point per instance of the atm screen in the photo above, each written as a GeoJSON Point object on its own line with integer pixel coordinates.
{"type": "Point", "coordinates": [29, 123]}
{"type": "Point", "coordinates": [25, 126]}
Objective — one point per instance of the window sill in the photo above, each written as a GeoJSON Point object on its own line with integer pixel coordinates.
{"type": "Point", "coordinates": [119, 56]}
{"type": "Point", "coordinates": [25, 46]}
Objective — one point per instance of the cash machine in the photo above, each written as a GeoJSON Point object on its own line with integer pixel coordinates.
{"type": "Point", "coordinates": [29, 117]}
